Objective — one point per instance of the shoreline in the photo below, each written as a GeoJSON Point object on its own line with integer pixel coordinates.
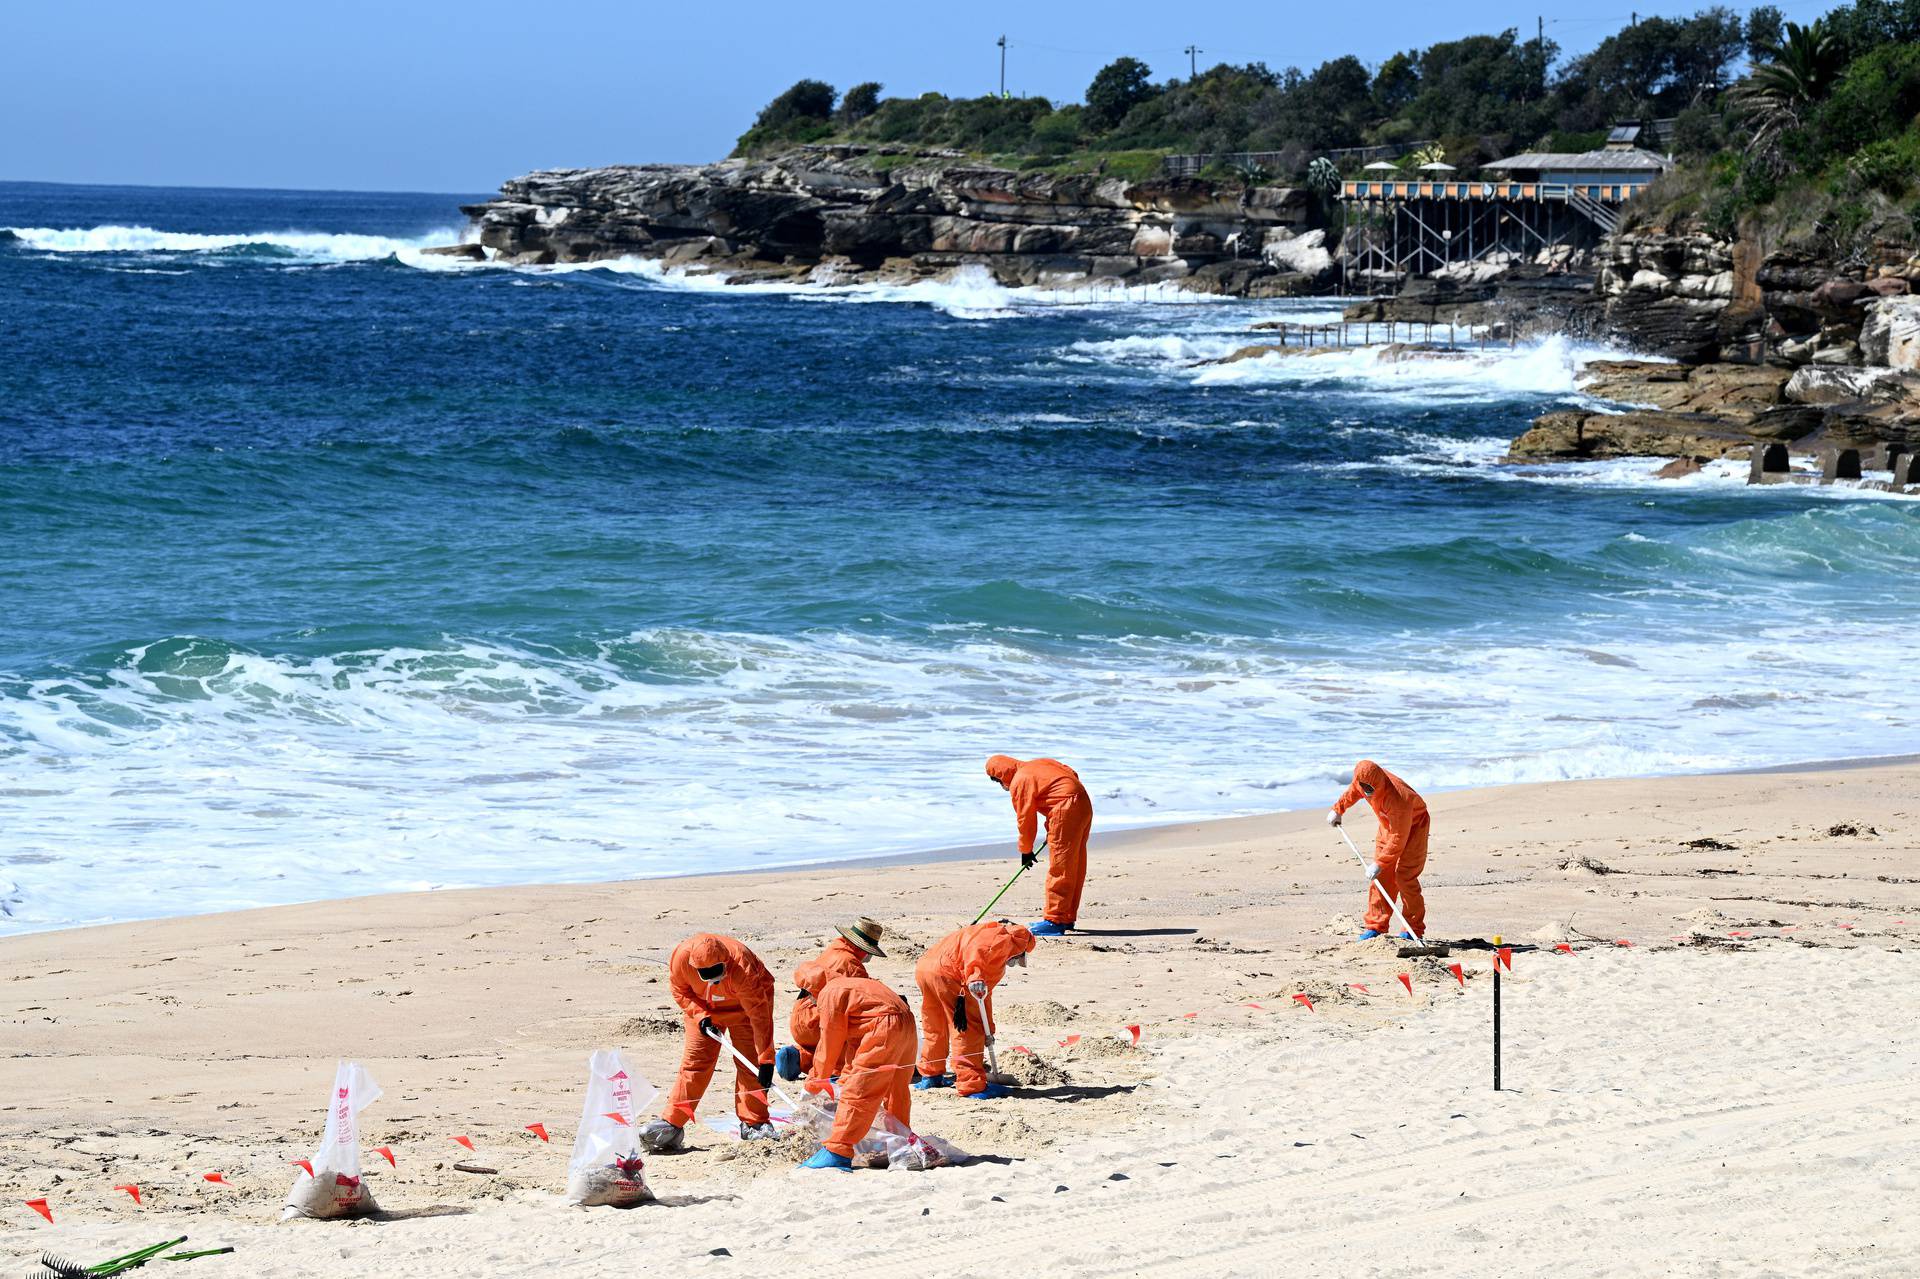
{"type": "Point", "coordinates": [1106, 841]}
{"type": "Point", "coordinates": [204, 1044]}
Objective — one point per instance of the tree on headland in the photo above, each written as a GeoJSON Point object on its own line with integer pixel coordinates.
{"type": "Point", "coordinates": [861, 101]}
{"type": "Point", "coordinates": [1122, 85]}
{"type": "Point", "coordinates": [806, 100]}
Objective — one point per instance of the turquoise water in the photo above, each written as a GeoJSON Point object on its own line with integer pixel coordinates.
{"type": "Point", "coordinates": [334, 568]}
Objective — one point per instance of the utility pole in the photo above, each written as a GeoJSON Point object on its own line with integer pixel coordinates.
{"type": "Point", "coordinates": [1193, 61]}
{"type": "Point", "coordinates": [1003, 66]}
{"type": "Point", "coordinates": [1540, 46]}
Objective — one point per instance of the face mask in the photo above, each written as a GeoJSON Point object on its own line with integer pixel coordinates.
{"type": "Point", "coordinates": [1366, 790]}
{"type": "Point", "coordinates": [712, 976]}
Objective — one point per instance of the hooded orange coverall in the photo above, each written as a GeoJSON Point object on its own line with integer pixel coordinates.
{"type": "Point", "coordinates": [740, 1003]}
{"type": "Point", "coordinates": [1399, 848]}
{"type": "Point", "coordinates": [841, 958]}
{"type": "Point", "coordinates": [1046, 787]}
{"type": "Point", "coordinates": [978, 952]}
{"type": "Point", "coordinates": [867, 1039]}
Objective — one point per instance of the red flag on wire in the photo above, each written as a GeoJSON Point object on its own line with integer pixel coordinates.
{"type": "Point", "coordinates": [1406, 979]}
{"type": "Point", "coordinates": [40, 1206]}
{"type": "Point", "coordinates": [464, 1141]}
{"type": "Point", "coordinates": [1563, 947]}
{"type": "Point", "coordinates": [1070, 1041]}
{"type": "Point", "coordinates": [1459, 975]}
{"type": "Point", "coordinates": [1503, 958]}
{"type": "Point", "coordinates": [1354, 985]}
{"type": "Point", "coordinates": [1303, 999]}
{"type": "Point", "coordinates": [218, 1179]}
{"type": "Point", "coordinates": [1135, 1032]}
{"type": "Point", "coordinates": [386, 1153]}
{"type": "Point", "coordinates": [132, 1190]}
{"type": "Point", "coordinates": [621, 1119]}
{"type": "Point", "coordinates": [303, 1163]}
{"type": "Point", "coordinates": [539, 1130]}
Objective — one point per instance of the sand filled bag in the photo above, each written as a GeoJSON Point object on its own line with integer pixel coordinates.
{"type": "Point", "coordinates": [605, 1169]}
{"type": "Point", "coordinates": [329, 1184]}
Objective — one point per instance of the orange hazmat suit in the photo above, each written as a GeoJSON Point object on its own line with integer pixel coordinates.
{"type": "Point", "coordinates": [1047, 788]}
{"type": "Point", "coordinates": [740, 1003]}
{"type": "Point", "coordinates": [867, 1040]}
{"type": "Point", "coordinates": [1400, 846]}
{"type": "Point", "coordinates": [841, 958]}
{"type": "Point", "coordinates": [978, 952]}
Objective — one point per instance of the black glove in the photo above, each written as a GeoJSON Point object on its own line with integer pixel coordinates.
{"type": "Point", "coordinates": [960, 1013]}
{"type": "Point", "coordinates": [1027, 860]}
{"type": "Point", "coordinates": [706, 1028]}
{"type": "Point", "coordinates": [766, 1076]}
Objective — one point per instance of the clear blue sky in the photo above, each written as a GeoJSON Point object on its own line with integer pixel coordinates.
{"type": "Point", "coordinates": [406, 96]}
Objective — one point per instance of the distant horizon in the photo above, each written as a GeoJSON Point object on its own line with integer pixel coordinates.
{"type": "Point", "coordinates": [225, 97]}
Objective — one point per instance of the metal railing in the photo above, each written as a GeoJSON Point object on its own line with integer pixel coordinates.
{"type": "Point", "coordinates": [1186, 166]}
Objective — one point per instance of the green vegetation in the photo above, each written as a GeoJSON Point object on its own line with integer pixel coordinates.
{"type": "Point", "coordinates": [1819, 134]}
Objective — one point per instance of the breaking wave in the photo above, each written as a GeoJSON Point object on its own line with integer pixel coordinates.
{"type": "Point", "coordinates": [306, 246]}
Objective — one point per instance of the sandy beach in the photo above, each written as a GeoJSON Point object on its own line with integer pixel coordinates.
{"type": "Point", "coordinates": [1731, 1092]}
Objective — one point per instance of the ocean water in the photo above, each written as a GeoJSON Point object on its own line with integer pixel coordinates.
{"type": "Point", "coordinates": [331, 568]}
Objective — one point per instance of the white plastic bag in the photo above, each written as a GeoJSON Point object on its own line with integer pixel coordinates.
{"type": "Point", "coordinates": [888, 1144]}
{"type": "Point", "coordinates": [334, 1189]}
{"type": "Point", "coordinates": [605, 1167]}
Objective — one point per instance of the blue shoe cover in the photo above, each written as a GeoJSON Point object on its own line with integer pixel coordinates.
{"type": "Point", "coordinates": [786, 1062]}
{"type": "Point", "coordinates": [1047, 928]}
{"type": "Point", "coordinates": [933, 1081]}
{"type": "Point", "coordinates": [824, 1158]}
{"type": "Point", "coordinates": [1406, 937]}
{"type": "Point", "coordinates": [986, 1094]}
{"type": "Point", "coordinates": [1368, 934]}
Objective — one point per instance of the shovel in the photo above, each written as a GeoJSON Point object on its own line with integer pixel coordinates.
{"type": "Point", "coordinates": [1420, 944]}
{"type": "Point", "coordinates": [1009, 884]}
{"type": "Point", "coordinates": [726, 1042]}
{"type": "Point", "coordinates": [993, 1058]}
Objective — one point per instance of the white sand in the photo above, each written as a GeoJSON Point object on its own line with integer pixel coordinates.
{"type": "Point", "coordinates": [1720, 1106]}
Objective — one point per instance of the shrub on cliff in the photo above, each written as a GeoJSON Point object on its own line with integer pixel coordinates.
{"type": "Point", "coordinates": [1122, 85]}
{"type": "Point", "coordinates": [804, 113]}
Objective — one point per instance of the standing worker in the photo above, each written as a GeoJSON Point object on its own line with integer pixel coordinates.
{"type": "Point", "coordinates": [867, 1041]}
{"type": "Point", "coordinates": [1046, 787]}
{"type": "Point", "coordinates": [844, 957]}
{"type": "Point", "coordinates": [1399, 849]}
{"type": "Point", "coordinates": [956, 979]}
{"type": "Point", "coordinates": [721, 986]}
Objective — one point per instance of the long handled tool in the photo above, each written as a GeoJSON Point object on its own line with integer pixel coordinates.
{"type": "Point", "coordinates": [1009, 884]}
{"type": "Point", "coordinates": [727, 1043]}
{"type": "Point", "coordinates": [1373, 879]}
{"type": "Point", "coordinates": [986, 1028]}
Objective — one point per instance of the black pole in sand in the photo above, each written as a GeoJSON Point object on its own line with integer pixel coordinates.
{"type": "Point", "coordinates": [1496, 1015]}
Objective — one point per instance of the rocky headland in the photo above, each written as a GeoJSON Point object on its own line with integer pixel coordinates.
{"type": "Point", "coordinates": [1772, 345]}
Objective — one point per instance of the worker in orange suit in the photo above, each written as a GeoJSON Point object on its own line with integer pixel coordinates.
{"type": "Point", "coordinates": [1047, 788]}
{"type": "Point", "coordinates": [845, 956]}
{"type": "Point", "coordinates": [721, 987]}
{"type": "Point", "coordinates": [956, 979]}
{"type": "Point", "coordinates": [864, 1061]}
{"type": "Point", "coordinates": [1399, 848]}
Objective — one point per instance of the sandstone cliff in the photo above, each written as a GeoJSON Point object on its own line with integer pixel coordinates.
{"type": "Point", "coordinates": [845, 214]}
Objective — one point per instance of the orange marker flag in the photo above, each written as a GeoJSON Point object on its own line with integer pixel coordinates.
{"type": "Point", "coordinates": [1623, 942]}
{"type": "Point", "coordinates": [1135, 1032]}
{"type": "Point", "coordinates": [1070, 1041]}
{"type": "Point", "coordinates": [1406, 979]}
{"type": "Point", "coordinates": [539, 1130]}
{"type": "Point", "coordinates": [1503, 958]}
{"type": "Point", "coordinates": [218, 1179]}
{"type": "Point", "coordinates": [302, 1163]}
{"type": "Point", "coordinates": [1261, 1007]}
{"type": "Point", "coordinates": [1303, 999]}
{"type": "Point", "coordinates": [386, 1153]}
{"type": "Point", "coordinates": [464, 1141]}
{"type": "Point", "coordinates": [1188, 1016]}
{"type": "Point", "coordinates": [1354, 985]}
{"type": "Point", "coordinates": [621, 1119]}
{"type": "Point", "coordinates": [1563, 947]}
{"type": "Point", "coordinates": [1022, 1048]}
{"type": "Point", "coordinates": [132, 1190]}
{"type": "Point", "coordinates": [1459, 975]}
{"type": "Point", "coordinates": [40, 1206]}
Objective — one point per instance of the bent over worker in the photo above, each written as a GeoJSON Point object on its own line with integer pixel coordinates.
{"type": "Point", "coordinates": [956, 979]}
{"type": "Point", "coordinates": [1399, 848]}
{"type": "Point", "coordinates": [721, 987]}
{"type": "Point", "coordinates": [845, 956]}
{"type": "Point", "coordinates": [1047, 788]}
{"type": "Point", "coordinates": [867, 1041]}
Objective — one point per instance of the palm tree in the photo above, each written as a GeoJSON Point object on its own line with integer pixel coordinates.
{"type": "Point", "coordinates": [1805, 66]}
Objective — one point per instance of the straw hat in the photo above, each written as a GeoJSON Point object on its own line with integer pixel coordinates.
{"type": "Point", "coordinates": [863, 933]}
